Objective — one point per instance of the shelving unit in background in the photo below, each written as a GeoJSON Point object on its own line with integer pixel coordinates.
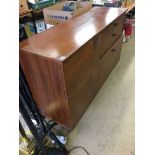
{"type": "Point", "coordinates": [32, 13]}
{"type": "Point", "coordinates": [101, 4]}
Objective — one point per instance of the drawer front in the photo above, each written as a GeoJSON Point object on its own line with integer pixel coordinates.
{"type": "Point", "coordinates": [109, 36]}
{"type": "Point", "coordinates": [77, 67]}
{"type": "Point", "coordinates": [109, 60]}
{"type": "Point", "coordinates": [82, 97]}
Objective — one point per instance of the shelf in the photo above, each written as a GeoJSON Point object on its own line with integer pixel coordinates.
{"type": "Point", "coordinates": [35, 10]}
{"type": "Point", "coordinates": [24, 13]}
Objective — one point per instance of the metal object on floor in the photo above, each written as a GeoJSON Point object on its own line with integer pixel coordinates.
{"type": "Point", "coordinates": [29, 110]}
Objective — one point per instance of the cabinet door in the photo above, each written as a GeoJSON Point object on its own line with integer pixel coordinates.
{"type": "Point", "coordinates": [82, 97]}
{"type": "Point", "coordinates": [109, 60]}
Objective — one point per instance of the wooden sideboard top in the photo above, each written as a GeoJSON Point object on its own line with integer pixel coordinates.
{"type": "Point", "coordinates": [64, 39]}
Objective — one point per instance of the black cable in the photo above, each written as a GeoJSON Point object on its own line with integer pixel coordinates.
{"type": "Point", "coordinates": [81, 147]}
{"type": "Point", "coordinates": [77, 147]}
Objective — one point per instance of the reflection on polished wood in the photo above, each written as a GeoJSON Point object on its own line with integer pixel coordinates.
{"type": "Point", "coordinates": [65, 66]}
{"type": "Point", "coordinates": [61, 41]}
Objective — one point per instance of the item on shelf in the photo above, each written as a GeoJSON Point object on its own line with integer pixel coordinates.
{"type": "Point", "coordinates": [29, 27]}
{"type": "Point", "coordinates": [99, 3]}
{"type": "Point", "coordinates": [23, 6]}
{"type": "Point", "coordinates": [113, 3]}
{"type": "Point", "coordinates": [41, 4]}
{"type": "Point", "coordinates": [55, 14]}
{"type": "Point", "coordinates": [22, 32]}
{"type": "Point", "coordinates": [70, 6]}
{"type": "Point", "coordinates": [40, 25]}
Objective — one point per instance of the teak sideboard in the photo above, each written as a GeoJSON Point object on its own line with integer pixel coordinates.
{"type": "Point", "coordinates": [65, 66]}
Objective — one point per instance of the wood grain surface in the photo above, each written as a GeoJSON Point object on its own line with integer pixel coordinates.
{"type": "Point", "coordinates": [65, 66]}
{"type": "Point", "coordinates": [65, 38]}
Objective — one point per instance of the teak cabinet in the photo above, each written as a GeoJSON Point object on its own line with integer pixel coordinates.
{"type": "Point", "coordinates": [65, 66]}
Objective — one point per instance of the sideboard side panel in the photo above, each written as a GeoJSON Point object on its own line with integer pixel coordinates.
{"type": "Point", "coordinates": [44, 77]}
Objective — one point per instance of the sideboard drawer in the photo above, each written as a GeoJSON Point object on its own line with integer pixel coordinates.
{"type": "Point", "coordinates": [109, 60]}
{"type": "Point", "coordinates": [109, 36]}
{"type": "Point", "coordinates": [78, 65]}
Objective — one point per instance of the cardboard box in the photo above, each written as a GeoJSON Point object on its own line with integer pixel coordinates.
{"type": "Point", "coordinates": [23, 6]}
{"type": "Point", "coordinates": [55, 14]}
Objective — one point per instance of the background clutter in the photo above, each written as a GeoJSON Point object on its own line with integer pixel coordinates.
{"type": "Point", "coordinates": [64, 11]}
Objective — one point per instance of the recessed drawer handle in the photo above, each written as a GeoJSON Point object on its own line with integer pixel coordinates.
{"type": "Point", "coordinates": [114, 34]}
{"type": "Point", "coordinates": [113, 50]}
{"type": "Point", "coordinates": [115, 24]}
